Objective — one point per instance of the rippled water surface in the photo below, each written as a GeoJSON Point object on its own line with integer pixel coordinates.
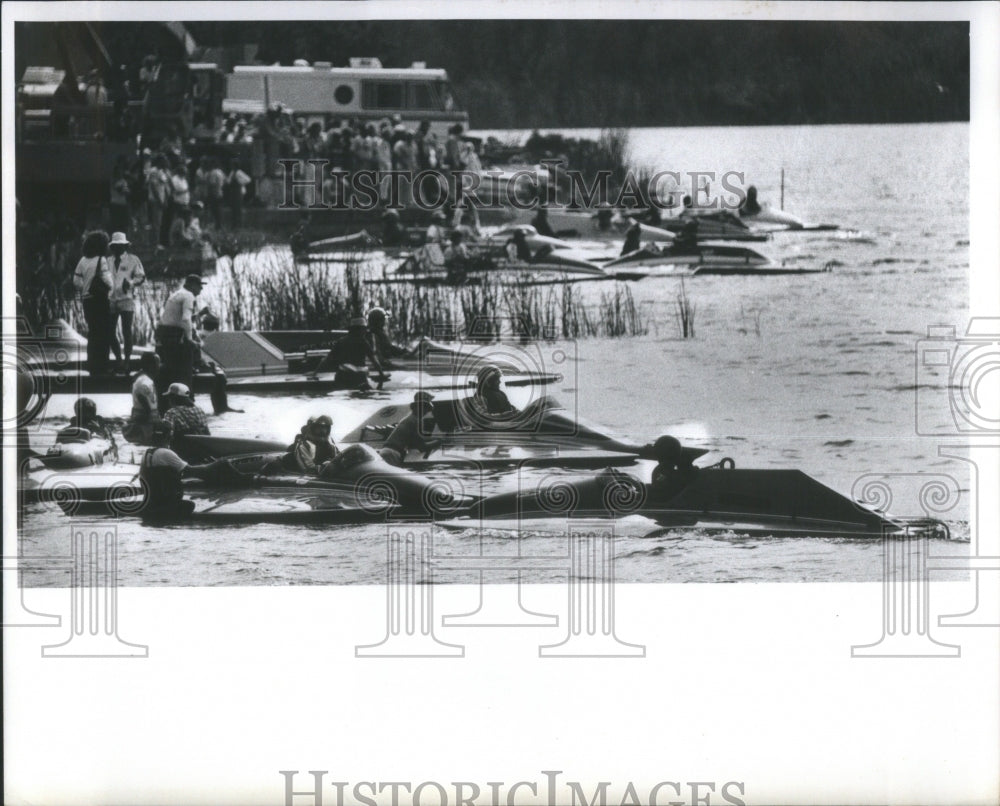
{"type": "Point", "coordinates": [815, 372]}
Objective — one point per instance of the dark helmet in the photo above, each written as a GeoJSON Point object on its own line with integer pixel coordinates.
{"type": "Point", "coordinates": [667, 451]}
{"type": "Point", "coordinates": [85, 409]}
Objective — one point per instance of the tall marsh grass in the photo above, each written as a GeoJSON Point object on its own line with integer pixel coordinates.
{"type": "Point", "coordinates": [268, 290]}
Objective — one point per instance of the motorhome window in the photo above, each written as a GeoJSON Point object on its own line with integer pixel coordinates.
{"type": "Point", "coordinates": [384, 95]}
{"type": "Point", "coordinates": [343, 95]}
{"type": "Point", "coordinates": [422, 96]}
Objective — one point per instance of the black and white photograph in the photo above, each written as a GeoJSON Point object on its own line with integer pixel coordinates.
{"type": "Point", "coordinates": [501, 403]}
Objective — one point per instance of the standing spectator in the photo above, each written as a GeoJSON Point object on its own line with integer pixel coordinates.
{"type": "Point", "coordinates": [121, 216]}
{"type": "Point", "coordinates": [178, 200]}
{"type": "Point", "coordinates": [148, 73]}
{"type": "Point", "coordinates": [453, 158]}
{"type": "Point", "coordinates": [93, 282]}
{"type": "Point", "coordinates": [383, 161]}
{"type": "Point", "coordinates": [314, 144]}
{"type": "Point", "coordinates": [420, 142]}
{"type": "Point", "coordinates": [199, 179]}
{"type": "Point", "coordinates": [172, 145]}
{"type": "Point", "coordinates": [158, 198]}
{"type": "Point", "coordinates": [235, 189]}
{"type": "Point", "coordinates": [96, 94]}
{"type": "Point", "coordinates": [128, 274]}
{"type": "Point", "coordinates": [215, 185]}
{"type": "Point", "coordinates": [177, 340]}
{"type": "Point", "coordinates": [406, 160]}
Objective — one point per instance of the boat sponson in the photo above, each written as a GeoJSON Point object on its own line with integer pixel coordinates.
{"type": "Point", "coordinates": [786, 500]}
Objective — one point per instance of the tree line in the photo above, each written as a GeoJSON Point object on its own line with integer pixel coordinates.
{"type": "Point", "coordinates": [600, 73]}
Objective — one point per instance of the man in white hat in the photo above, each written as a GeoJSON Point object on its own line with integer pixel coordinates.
{"type": "Point", "coordinates": [182, 413]}
{"type": "Point", "coordinates": [127, 273]}
{"type": "Point", "coordinates": [177, 340]}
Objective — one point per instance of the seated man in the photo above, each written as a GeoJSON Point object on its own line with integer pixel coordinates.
{"type": "Point", "coordinates": [85, 416]}
{"type": "Point", "coordinates": [489, 400]}
{"type": "Point", "coordinates": [161, 472]}
{"type": "Point", "coordinates": [409, 433]}
{"type": "Point", "coordinates": [673, 472]}
{"type": "Point", "coordinates": [436, 231]}
{"type": "Point", "coordinates": [393, 233]}
{"type": "Point", "coordinates": [349, 355]}
{"type": "Point", "coordinates": [183, 415]}
{"type": "Point", "coordinates": [456, 257]}
{"type": "Point", "coordinates": [633, 238]}
{"type": "Point", "coordinates": [381, 343]}
{"type": "Point", "coordinates": [541, 223]}
{"type": "Point", "coordinates": [312, 449]}
{"type": "Point", "coordinates": [517, 247]}
{"type": "Point", "coordinates": [687, 238]}
{"type": "Point", "coordinates": [145, 412]}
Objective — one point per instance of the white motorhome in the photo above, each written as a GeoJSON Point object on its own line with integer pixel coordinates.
{"type": "Point", "coordinates": [364, 91]}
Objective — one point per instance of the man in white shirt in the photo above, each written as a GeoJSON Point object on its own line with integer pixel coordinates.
{"type": "Point", "coordinates": [162, 472]}
{"type": "Point", "coordinates": [177, 340]}
{"type": "Point", "coordinates": [126, 269]}
{"type": "Point", "coordinates": [145, 408]}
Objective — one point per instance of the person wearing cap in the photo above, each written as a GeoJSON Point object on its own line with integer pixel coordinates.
{"type": "Point", "coordinates": [127, 275]}
{"type": "Point", "coordinates": [409, 434]}
{"type": "Point", "coordinates": [313, 449]}
{"type": "Point", "coordinates": [183, 415]}
{"type": "Point", "coordinates": [349, 356]}
{"type": "Point", "coordinates": [93, 282]}
{"type": "Point", "coordinates": [85, 416]}
{"type": "Point", "coordinates": [436, 232]}
{"type": "Point", "coordinates": [380, 341]}
{"type": "Point", "coordinates": [145, 407]}
{"type": "Point", "coordinates": [177, 340]}
{"type": "Point", "coordinates": [490, 400]}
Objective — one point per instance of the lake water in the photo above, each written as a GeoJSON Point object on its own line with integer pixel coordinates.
{"type": "Point", "coordinates": [815, 372]}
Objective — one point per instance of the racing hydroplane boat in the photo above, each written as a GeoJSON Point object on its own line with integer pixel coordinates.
{"type": "Point", "coordinates": [768, 219]}
{"type": "Point", "coordinates": [427, 266]}
{"type": "Point", "coordinates": [712, 226]}
{"type": "Point", "coordinates": [363, 488]}
{"type": "Point", "coordinates": [703, 258]}
{"type": "Point", "coordinates": [357, 486]}
{"type": "Point", "coordinates": [782, 503]}
{"type": "Point", "coordinates": [277, 362]}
